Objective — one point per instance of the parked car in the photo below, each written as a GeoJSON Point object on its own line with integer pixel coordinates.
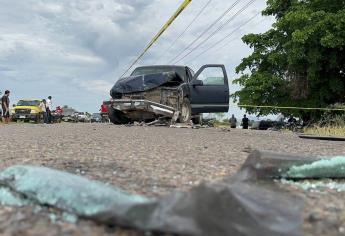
{"type": "Point", "coordinates": [172, 92]}
{"type": "Point", "coordinates": [96, 117]}
{"type": "Point", "coordinates": [28, 110]}
{"type": "Point", "coordinates": [82, 117]}
{"type": "Point", "coordinates": [267, 124]}
{"type": "Point", "coordinates": [69, 115]}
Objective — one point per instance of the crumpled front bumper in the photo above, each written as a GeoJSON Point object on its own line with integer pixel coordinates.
{"type": "Point", "coordinates": [126, 105]}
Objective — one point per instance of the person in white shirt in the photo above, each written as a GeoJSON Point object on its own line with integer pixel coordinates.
{"type": "Point", "coordinates": [44, 110]}
{"type": "Point", "coordinates": [48, 109]}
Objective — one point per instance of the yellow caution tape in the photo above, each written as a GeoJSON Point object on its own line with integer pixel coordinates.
{"type": "Point", "coordinates": [293, 108]}
{"type": "Point", "coordinates": [164, 28]}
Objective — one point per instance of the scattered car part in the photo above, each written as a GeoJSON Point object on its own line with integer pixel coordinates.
{"type": "Point", "coordinates": [96, 117]}
{"type": "Point", "coordinates": [327, 138]}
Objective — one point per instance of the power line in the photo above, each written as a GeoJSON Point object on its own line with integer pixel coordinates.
{"type": "Point", "coordinates": [206, 30]}
{"type": "Point", "coordinates": [258, 13]}
{"type": "Point", "coordinates": [217, 30]}
{"type": "Point", "coordinates": [227, 36]}
{"type": "Point", "coordinates": [185, 30]}
{"type": "Point", "coordinates": [161, 31]}
{"type": "Point", "coordinates": [234, 39]}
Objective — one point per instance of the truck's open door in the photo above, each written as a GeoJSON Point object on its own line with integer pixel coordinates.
{"type": "Point", "coordinates": [209, 90]}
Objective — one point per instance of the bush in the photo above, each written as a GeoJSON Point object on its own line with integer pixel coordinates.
{"type": "Point", "coordinates": [333, 118]}
{"type": "Point", "coordinates": [331, 123]}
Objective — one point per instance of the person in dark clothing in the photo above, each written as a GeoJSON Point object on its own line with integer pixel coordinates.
{"type": "Point", "coordinates": [5, 105]}
{"type": "Point", "coordinates": [245, 122]}
{"type": "Point", "coordinates": [292, 120]}
{"type": "Point", "coordinates": [49, 109]}
{"type": "Point", "coordinates": [233, 122]}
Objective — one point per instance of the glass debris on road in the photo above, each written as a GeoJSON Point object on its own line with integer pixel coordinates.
{"type": "Point", "coordinates": [325, 168]}
{"type": "Point", "coordinates": [233, 206]}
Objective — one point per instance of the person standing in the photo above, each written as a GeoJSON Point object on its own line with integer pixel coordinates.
{"type": "Point", "coordinates": [233, 122]}
{"type": "Point", "coordinates": [49, 106]}
{"type": "Point", "coordinates": [104, 113]}
{"type": "Point", "coordinates": [245, 122]}
{"type": "Point", "coordinates": [5, 105]}
{"type": "Point", "coordinates": [43, 106]}
{"type": "Point", "coordinates": [58, 113]}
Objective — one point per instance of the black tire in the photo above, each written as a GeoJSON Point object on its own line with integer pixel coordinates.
{"type": "Point", "coordinates": [185, 111]}
{"type": "Point", "coordinates": [197, 120]}
{"type": "Point", "coordinates": [116, 117]}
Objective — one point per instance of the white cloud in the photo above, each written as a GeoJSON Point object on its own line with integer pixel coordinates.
{"type": "Point", "coordinates": [74, 48]}
{"type": "Point", "coordinates": [48, 8]}
{"type": "Point", "coordinates": [94, 86]}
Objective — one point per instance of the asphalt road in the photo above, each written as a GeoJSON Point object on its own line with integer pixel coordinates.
{"type": "Point", "coordinates": [145, 160]}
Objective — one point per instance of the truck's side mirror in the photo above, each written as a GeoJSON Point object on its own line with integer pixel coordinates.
{"type": "Point", "coordinates": [197, 82]}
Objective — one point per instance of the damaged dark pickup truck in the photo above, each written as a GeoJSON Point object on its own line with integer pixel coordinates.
{"type": "Point", "coordinates": [169, 92]}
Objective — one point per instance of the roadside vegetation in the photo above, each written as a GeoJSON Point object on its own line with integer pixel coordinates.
{"type": "Point", "coordinates": [330, 123]}
{"type": "Point", "coordinates": [299, 62]}
{"type": "Point", "coordinates": [326, 131]}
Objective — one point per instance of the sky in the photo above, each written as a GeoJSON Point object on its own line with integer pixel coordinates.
{"type": "Point", "coordinates": [75, 50]}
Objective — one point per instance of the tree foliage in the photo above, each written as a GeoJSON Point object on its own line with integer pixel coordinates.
{"type": "Point", "coordinates": [300, 61]}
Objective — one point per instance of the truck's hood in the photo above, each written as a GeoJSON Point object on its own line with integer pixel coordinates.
{"type": "Point", "coordinates": [142, 83]}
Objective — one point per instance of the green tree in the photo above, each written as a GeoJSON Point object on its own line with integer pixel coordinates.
{"type": "Point", "coordinates": [300, 61]}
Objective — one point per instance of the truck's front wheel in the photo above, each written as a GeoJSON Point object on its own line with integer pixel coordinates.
{"type": "Point", "coordinates": [186, 111]}
{"type": "Point", "coordinates": [116, 117]}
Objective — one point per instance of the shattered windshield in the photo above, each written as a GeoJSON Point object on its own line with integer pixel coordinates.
{"type": "Point", "coordinates": [181, 71]}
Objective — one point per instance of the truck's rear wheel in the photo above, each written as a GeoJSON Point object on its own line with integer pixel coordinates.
{"type": "Point", "coordinates": [186, 111]}
{"type": "Point", "coordinates": [116, 117]}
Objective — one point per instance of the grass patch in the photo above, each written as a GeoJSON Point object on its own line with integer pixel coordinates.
{"type": "Point", "coordinates": [330, 124]}
{"type": "Point", "coordinates": [326, 130]}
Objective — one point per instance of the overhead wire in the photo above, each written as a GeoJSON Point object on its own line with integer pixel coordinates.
{"type": "Point", "coordinates": [183, 6]}
{"type": "Point", "coordinates": [227, 36]}
{"type": "Point", "coordinates": [217, 30]}
{"type": "Point", "coordinates": [205, 31]}
{"type": "Point", "coordinates": [185, 30]}
{"type": "Point", "coordinates": [259, 23]}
